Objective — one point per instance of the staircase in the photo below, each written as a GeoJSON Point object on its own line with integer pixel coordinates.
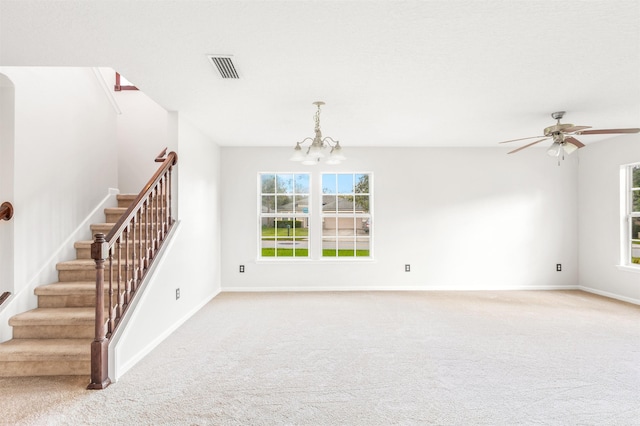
{"type": "Point", "coordinates": [55, 338]}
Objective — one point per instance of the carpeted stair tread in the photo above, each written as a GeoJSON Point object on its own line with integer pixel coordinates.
{"type": "Point", "coordinates": [45, 349]}
{"type": "Point", "coordinates": [54, 316]}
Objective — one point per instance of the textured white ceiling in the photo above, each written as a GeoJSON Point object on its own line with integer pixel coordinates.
{"type": "Point", "coordinates": [392, 73]}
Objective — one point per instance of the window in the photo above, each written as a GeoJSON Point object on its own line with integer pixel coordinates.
{"type": "Point", "coordinates": [331, 219]}
{"type": "Point", "coordinates": [346, 215]}
{"type": "Point", "coordinates": [284, 215]}
{"type": "Point", "coordinates": [631, 227]}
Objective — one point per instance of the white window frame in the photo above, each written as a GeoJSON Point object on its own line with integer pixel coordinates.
{"type": "Point", "coordinates": [313, 215]}
{"type": "Point", "coordinates": [284, 215]}
{"type": "Point", "coordinates": [359, 218]}
{"type": "Point", "coordinates": [627, 240]}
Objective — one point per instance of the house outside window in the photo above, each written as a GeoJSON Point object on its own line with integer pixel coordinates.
{"type": "Point", "coordinates": [284, 215]}
{"type": "Point", "coordinates": [631, 224]}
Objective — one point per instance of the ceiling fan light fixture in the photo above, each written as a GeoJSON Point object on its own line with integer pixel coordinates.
{"type": "Point", "coordinates": [569, 148]}
{"type": "Point", "coordinates": [555, 149]}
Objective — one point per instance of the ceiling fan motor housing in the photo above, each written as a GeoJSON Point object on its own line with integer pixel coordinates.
{"type": "Point", "coordinates": [557, 128]}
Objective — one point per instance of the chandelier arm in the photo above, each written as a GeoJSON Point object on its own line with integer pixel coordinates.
{"type": "Point", "coordinates": [328, 139]}
{"type": "Point", "coordinates": [305, 140]}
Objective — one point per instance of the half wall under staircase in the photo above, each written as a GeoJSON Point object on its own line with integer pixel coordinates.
{"type": "Point", "coordinates": [55, 338]}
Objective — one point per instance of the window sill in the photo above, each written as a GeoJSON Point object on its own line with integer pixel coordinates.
{"type": "Point", "coordinates": [282, 260]}
{"type": "Point", "coordinates": [628, 268]}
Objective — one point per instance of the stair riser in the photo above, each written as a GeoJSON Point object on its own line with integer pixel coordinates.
{"type": "Point", "coordinates": [115, 217]}
{"type": "Point", "coordinates": [144, 236]}
{"type": "Point", "coordinates": [127, 202]}
{"type": "Point", "coordinates": [85, 252]}
{"type": "Point", "coordinates": [70, 301]}
{"type": "Point", "coordinates": [87, 275]}
{"type": "Point", "coordinates": [53, 331]}
{"type": "Point", "coordinates": [45, 368]}
{"type": "Point", "coordinates": [80, 275]}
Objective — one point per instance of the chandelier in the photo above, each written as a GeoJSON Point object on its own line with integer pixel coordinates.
{"type": "Point", "coordinates": [319, 145]}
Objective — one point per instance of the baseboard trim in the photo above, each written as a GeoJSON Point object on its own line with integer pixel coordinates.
{"type": "Point", "coordinates": [610, 295]}
{"type": "Point", "coordinates": [256, 289]}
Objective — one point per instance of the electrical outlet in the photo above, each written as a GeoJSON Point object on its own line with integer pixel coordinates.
{"type": "Point", "coordinates": [177, 293]}
{"type": "Point", "coordinates": [242, 269]}
{"type": "Point", "coordinates": [559, 267]}
{"type": "Point", "coordinates": [407, 268]}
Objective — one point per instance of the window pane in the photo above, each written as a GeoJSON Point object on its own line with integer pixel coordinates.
{"type": "Point", "coordinates": [329, 226]}
{"type": "Point", "coordinates": [267, 246]}
{"type": "Point", "coordinates": [345, 204]}
{"type": "Point", "coordinates": [365, 225]}
{"type": "Point", "coordinates": [268, 226]}
{"type": "Point", "coordinates": [284, 252]}
{"type": "Point", "coordinates": [328, 247]}
{"type": "Point", "coordinates": [362, 247]}
{"type": "Point", "coordinates": [284, 204]}
{"type": "Point", "coordinates": [301, 203]}
{"type": "Point", "coordinates": [268, 203]}
{"type": "Point", "coordinates": [635, 240]}
{"type": "Point", "coordinates": [302, 184]}
{"type": "Point", "coordinates": [301, 252]}
{"type": "Point", "coordinates": [635, 201]}
{"type": "Point", "coordinates": [346, 226]}
{"type": "Point", "coordinates": [284, 184]}
{"type": "Point", "coordinates": [635, 170]}
{"type": "Point", "coordinates": [362, 184]}
{"type": "Point", "coordinates": [268, 184]}
{"type": "Point", "coordinates": [329, 184]}
{"type": "Point", "coordinates": [329, 203]}
{"type": "Point", "coordinates": [345, 184]}
{"type": "Point", "coordinates": [362, 203]}
{"type": "Point", "coordinates": [346, 248]}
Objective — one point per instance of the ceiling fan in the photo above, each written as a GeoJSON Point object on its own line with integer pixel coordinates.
{"type": "Point", "coordinates": [563, 136]}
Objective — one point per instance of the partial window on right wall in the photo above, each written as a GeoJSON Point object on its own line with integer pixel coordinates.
{"type": "Point", "coordinates": [631, 224]}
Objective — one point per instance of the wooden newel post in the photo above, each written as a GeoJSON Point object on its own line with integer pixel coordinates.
{"type": "Point", "coordinates": [100, 345]}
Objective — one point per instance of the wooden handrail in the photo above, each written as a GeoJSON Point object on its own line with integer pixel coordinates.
{"type": "Point", "coordinates": [4, 296]}
{"type": "Point", "coordinates": [6, 211]}
{"type": "Point", "coordinates": [124, 256]}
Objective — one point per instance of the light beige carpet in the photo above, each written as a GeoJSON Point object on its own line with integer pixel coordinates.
{"type": "Point", "coordinates": [369, 358]}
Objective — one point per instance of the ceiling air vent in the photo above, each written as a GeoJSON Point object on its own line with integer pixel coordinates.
{"type": "Point", "coordinates": [224, 65]}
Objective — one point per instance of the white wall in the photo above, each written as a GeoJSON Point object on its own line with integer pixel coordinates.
{"type": "Point", "coordinates": [64, 163]}
{"type": "Point", "coordinates": [7, 121]}
{"type": "Point", "coordinates": [463, 218]}
{"type": "Point", "coordinates": [192, 261]}
{"type": "Point", "coordinates": [599, 218]}
{"type": "Point", "coordinates": [144, 129]}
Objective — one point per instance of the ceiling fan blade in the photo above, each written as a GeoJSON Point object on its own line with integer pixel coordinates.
{"type": "Point", "coordinates": [521, 139]}
{"type": "Point", "coordinates": [607, 131]}
{"type": "Point", "coordinates": [575, 129]}
{"type": "Point", "coordinates": [526, 146]}
{"type": "Point", "coordinates": [573, 141]}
